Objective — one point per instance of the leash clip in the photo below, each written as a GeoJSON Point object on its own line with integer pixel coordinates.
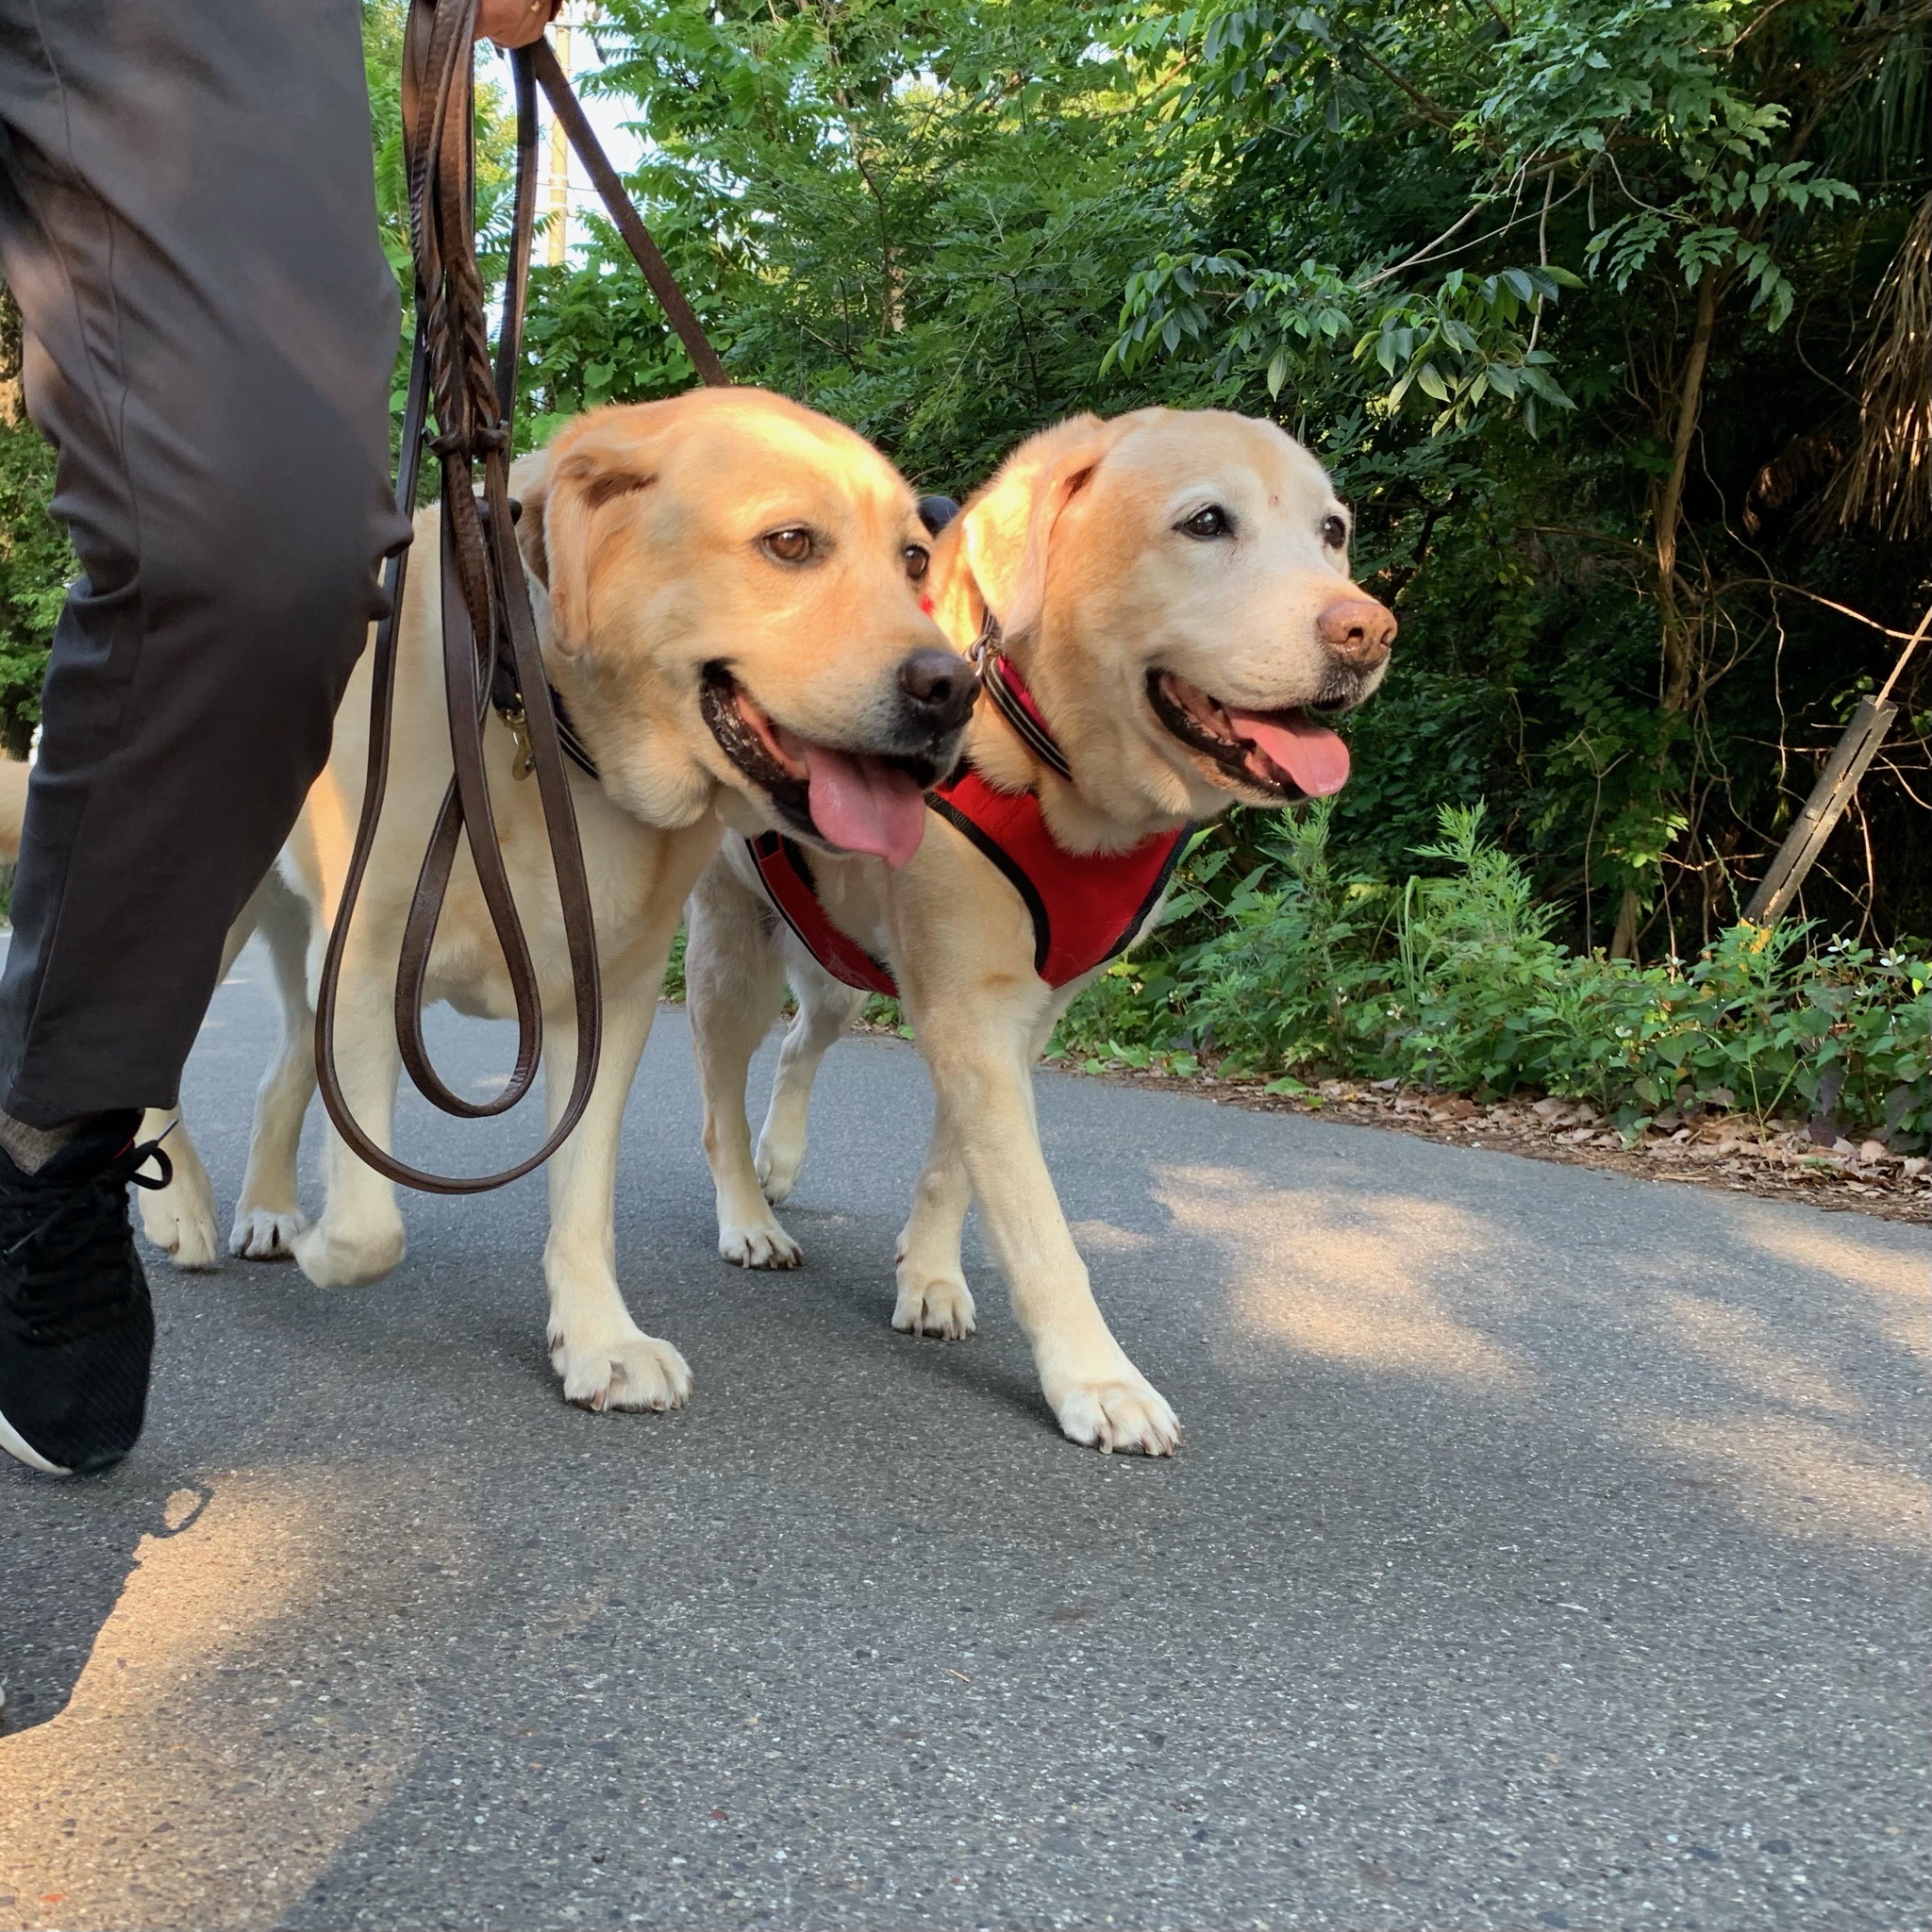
{"type": "Point", "coordinates": [523, 760]}
{"type": "Point", "coordinates": [986, 647]}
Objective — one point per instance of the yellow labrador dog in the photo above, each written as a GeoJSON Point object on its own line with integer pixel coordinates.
{"type": "Point", "coordinates": [727, 590]}
{"type": "Point", "coordinates": [1175, 596]}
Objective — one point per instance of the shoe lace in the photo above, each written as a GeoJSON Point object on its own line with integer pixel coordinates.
{"type": "Point", "coordinates": [67, 1260]}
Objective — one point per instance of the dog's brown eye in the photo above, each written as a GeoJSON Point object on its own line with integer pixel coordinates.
{"type": "Point", "coordinates": [791, 545]}
{"type": "Point", "coordinates": [1334, 532]}
{"type": "Point", "coordinates": [917, 558]}
{"type": "Point", "coordinates": [1206, 524]}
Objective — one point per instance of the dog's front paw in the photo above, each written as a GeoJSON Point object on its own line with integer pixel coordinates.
{"type": "Point", "coordinates": [779, 1164]}
{"type": "Point", "coordinates": [764, 1245]}
{"type": "Point", "coordinates": [933, 1304]}
{"type": "Point", "coordinates": [626, 1371]}
{"type": "Point", "coordinates": [180, 1221]}
{"type": "Point", "coordinates": [336, 1257]}
{"type": "Point", "coordinates": [266, 1234]}
{"type": "Point", "coordinates": [1125, 1413]}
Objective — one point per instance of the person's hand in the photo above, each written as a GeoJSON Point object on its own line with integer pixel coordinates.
{"type": "Point", "coordinates": [513, 23]}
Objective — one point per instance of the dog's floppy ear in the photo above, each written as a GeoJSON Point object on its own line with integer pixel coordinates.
{"type": "Point", "coordinates": [592, 474]}
{"type": "Point", "coordinates": [1009, 529]}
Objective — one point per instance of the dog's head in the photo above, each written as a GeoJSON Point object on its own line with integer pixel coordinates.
{"type": "Point", "coordinates": [1175, 585]}
{"type": "Point", "coordinates": [730, 592]}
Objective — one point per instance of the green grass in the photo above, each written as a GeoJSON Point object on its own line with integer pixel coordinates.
{"type": "Point", "coordinates": [1449, 981]}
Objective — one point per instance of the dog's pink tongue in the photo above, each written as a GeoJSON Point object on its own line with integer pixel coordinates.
{"type": "Point", "coordinates": [864, 804]}
{"type": "Point", "coordinates": [1311, 753]}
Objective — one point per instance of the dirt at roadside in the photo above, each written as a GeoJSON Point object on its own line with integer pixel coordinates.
{"type": "Point", "coordinates": [1780, 1160]}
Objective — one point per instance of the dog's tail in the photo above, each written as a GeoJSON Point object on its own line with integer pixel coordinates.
{"type": "Point", "coordinates": [13, 777]}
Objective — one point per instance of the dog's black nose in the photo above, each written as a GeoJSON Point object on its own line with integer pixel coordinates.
{"type": "Point", "coordinates": [936, 512]}
{"type": "Point", "coordinates": [938, 688]}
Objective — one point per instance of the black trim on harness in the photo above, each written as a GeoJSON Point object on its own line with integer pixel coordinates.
{"type": "Point", "coordinates": [1042, 929]}
{"type": "Point", "coordinates": [507, 702]}
{"type": "Point", "coordinates": [1152, 898]}
{"type": "Point", "coordinates": [989, 661]}
{"type": "Point", "coordinates": [769, 845]}
{"type": "Point", "coordinates": [575, 749]}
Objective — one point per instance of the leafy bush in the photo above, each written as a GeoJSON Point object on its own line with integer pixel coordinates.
{"type": "Point", "coordinates": [35, 565]}
{"type": "Point", "coordinates": [1451, 981]}
{"type": "Point", "coordinates": [35, 558]}
{"type": "Point", "coordinates": [1573, 296]}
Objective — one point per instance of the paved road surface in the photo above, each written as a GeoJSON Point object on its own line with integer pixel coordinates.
{"type": "Point", "coordinates": [1547, 1551]}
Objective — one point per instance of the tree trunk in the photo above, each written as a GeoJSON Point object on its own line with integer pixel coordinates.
{"type": "Point", "coordinates": [1624, 940]}
{"type": "Point", "coordinates": [1679, 635]}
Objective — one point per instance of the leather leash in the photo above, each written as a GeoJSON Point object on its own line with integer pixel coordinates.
{"type": "Point", "coordinates": [488, 631]}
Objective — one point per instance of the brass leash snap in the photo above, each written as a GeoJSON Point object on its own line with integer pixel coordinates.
{"type": "Point", "coordinates": [524, 760]}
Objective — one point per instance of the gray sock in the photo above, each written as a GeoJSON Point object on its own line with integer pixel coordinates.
{"type": "Point", "coordinates": [33, 1147]}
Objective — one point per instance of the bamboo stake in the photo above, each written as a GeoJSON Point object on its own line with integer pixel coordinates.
{"type": "Point", "coordinates": [1837, 784]}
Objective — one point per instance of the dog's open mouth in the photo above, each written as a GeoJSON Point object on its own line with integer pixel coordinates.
{"type": "Point", "coordinates": [1288, 753]}
{"type": "Point", "coordinates": [855, 801]}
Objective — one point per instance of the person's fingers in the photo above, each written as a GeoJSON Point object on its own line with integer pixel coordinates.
{"type": "Point", "coordinates": [513, 23]}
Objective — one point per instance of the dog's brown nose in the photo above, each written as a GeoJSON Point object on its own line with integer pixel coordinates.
{"type": "Point", "coordinates": [938, 688]}
{"type": "Point", "coordinates": [1358, 630]}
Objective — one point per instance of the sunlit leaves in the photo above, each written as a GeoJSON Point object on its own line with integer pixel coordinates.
{"type": "Point", "coordinates": [1454, 345]}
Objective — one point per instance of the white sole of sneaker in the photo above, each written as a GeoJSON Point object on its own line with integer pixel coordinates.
{"type": "Point", "coordinates": [17, 1446]}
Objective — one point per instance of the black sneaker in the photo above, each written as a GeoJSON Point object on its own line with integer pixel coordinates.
{"type": "Point", "coordinates": [76, 1328]}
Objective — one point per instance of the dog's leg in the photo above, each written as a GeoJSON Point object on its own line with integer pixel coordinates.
{"type": "Point", "coordinates": [826, 1006]}
{"type": "Point", "coordinates": [359, 1237]}
{"type": "Point", "coordinates": [933, 1296]}
{"type": "Point", "coordinates": [981, 1061]}
{"type": "Point", "coordinates": [269, 1214]}
{"type": "Point", "coordinates": [734, 980]}
{"type": "Point", "coordinates": [180, 1218]}
{"type": "Point", "coordinates": [605, 1360]}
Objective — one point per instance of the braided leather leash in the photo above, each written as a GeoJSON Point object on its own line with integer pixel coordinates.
{"type": "Point", "coordinates": [488, 631]}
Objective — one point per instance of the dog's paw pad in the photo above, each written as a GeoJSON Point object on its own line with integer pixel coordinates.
{"type": "Point", "coordinates": [938, 1307]}
{"type": "Point", "coordinates": [266, 1234]}
{"type": "Point", "coordinates": [759, 1247]}
{"type": "Point", "coordinates": [1126, 1418]}
{"type": "Point", "coordinates": [636, 1371]}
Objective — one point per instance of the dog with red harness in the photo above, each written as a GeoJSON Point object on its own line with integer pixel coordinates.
{"type": "Point", "coordinates": [1164, 623]}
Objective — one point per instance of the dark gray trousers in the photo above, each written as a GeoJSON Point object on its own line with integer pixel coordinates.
{"type": "Point", "coordinates": [187, 223]}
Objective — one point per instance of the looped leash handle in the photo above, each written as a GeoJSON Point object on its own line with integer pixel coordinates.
{"type": "Point", "coordinates": [489, 629]}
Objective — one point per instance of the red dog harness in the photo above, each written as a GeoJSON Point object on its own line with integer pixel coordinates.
{"type": "Point", "coordinates": [1086, 909]}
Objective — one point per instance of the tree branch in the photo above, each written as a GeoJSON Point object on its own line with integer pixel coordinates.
{"type": "Point", "coordinates": [1670, 501]}
{"type": "Point", "coordinates": [1432, 111]}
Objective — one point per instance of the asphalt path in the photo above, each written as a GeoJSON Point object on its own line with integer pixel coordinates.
{"type": "Point", "coordinates": [1547, 1550]}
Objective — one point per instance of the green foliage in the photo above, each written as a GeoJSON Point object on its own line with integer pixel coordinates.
{"type": "Point", "coordinates": [1452, 981]}
{"type": "Point", "coordinates": [1467, 252]}
{"type": "Point", "coordinates": [920, 222]}
{"type": "Point", "coordinates": [35, 562]}
{"type": "Point", "coordinates": [36, 559]}
{"type": "Point", "coordinates": [1460, 251]}
{"type": "Point", "coordinates": [1426, 234]}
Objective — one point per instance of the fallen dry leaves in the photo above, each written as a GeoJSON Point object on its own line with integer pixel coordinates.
{"type": "Point", "coordinates": [1712, 1148]}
